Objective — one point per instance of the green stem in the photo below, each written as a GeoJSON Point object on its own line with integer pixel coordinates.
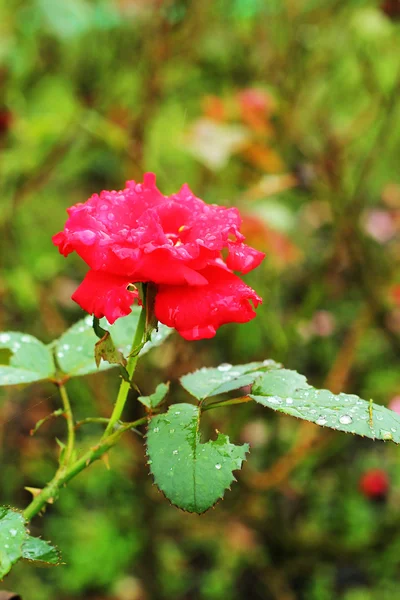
{"type": "Point", "coordinates": [131, 366]}
{"type": "Point", "coordinates": [91, 420]}
{"type": "Point", "coordinates": [240, 400]}
{"type": "Point", "coordinates": [65, 461]}
{"type": "Point", "coordinates": [61, 478]}
{"type": "Point", "coordinates": [127, 426]}
{"type": "Point", "coordinates": [69, 449]}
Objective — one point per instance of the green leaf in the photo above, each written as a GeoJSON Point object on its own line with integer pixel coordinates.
{"type": "Point", "coordinates": [27, 359]}
{"type": "Point", "coordinates": [206, 382]}
{"type": "Point", "coordinates": [75, 348]}
{"type": "Point", "coordinates": [288, 392]}
{"type": "Point", "coordinates": [16, 543]}
{"type": "Point", "coordinates": [39, 550]}
{"type": "Point", "coordinates": [12, 536]}
{"type": "Point", "coordinates": [192, 475]}
{"type": "Point", "coordinates": [157, 397]}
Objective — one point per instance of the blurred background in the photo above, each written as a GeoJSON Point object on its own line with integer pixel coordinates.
{"type": "Point", "coordinates": [288, 109]}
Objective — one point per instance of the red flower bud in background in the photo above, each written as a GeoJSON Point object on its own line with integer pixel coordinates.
{"type": "Point", "coordinates": [6, 120]}
{"type": "Point", "coordinates": [175, 242]}
{"type": "Point", "coordinates": [374, 484]}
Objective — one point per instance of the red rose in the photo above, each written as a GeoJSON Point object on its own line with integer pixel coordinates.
{"type": "Point", "coordinates": [176, 242]}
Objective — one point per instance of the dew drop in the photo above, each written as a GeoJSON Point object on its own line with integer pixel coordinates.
{"type": "Point", "coordinates": [4, 337]}
{"type": "Point", "coordinates": [289, 400]}
{"type": "Point", "coordinates": [172, 430]}
{"type": "Point", "coordinates": [13, 532]}
{"type": "Point", "coordinates": [177, 412]}
{"type": "Point", "coordinates": [345, 420]}
{"type": "Point", "coordinates": [224, 367]}
{"type": "Point", "coordinates": [175, 452]}
{"type": "Point", "coordinates": [274, 400]}
{"type": "Point", "coordinates": [218, 466]}
{"type": "Point", "coordinates": [321, 421]}
{"type": "Point", "coordinates": [156, 429]}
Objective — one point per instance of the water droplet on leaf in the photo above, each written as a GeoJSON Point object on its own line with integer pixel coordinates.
{"type": "Point", "coordinates": [345, 420]}
{"type": "Point", "coordinates": [224, 367]}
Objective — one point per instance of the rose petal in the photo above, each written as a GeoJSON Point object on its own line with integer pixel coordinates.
{"type": "Point", "coordinates": [109, 219]}
{"type": "Point", "coordinates": [104, 295]}
{"type": "Point", "coordinates": [243, 258]}
{"type": "Point", "coordinates": [197, 312]}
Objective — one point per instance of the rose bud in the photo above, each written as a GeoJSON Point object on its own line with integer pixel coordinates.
{"type": "Point", "coordinates": [374, 484]}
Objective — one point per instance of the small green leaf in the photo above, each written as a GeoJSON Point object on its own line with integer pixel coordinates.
{"type": "Point", "coordinates": [206, 382]}
{"type": "Point", "coordinates": [39, 550]}
{"type": "Point", "coordinates": [288, 392]}
{"type": "Point", "coordinates": [105, 349]}
{"type": "Point", "coordinates": [157, 397]}
{"type": "Point", "coordinates": [192, 475]}
{"type": "Point", "coordinates": [26, 359]}
{"type": "Point", "coordinates": [75, 348]}
{"type": "Point", "coordinates": [16, 543]}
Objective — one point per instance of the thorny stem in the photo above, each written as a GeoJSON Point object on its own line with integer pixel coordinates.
{"type": "Point", "coordinates": [66, 470]}
{"type": "Point", "coordinates": [50, 490]}
{"type": "Point", "coordinates": [131, 366]}
{"type": "Point", "coordinates": [66, 474]}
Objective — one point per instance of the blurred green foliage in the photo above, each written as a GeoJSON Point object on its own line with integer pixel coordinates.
{"type": "Point", "coordinates": [97, 92]}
